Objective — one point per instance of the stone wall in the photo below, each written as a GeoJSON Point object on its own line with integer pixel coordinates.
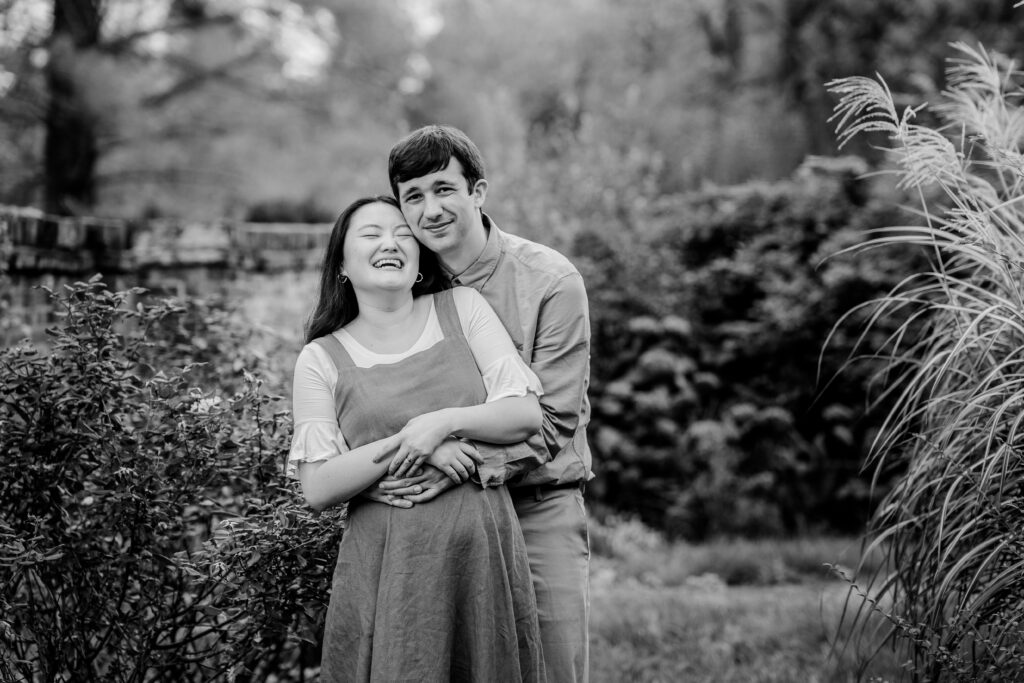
{"type": "Point", "coordinates": [33, 242]}
{"type": "Point", "coordinates": [167, 257]}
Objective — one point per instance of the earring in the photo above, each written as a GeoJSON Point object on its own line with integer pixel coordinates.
{"type": "Point", "coordinates": [419, 277]}
{"type": "Point", "coordinates": [342, 278]}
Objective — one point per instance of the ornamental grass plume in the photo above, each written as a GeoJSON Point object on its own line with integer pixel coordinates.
{"type": "Point", "coordinates": [952, 589]}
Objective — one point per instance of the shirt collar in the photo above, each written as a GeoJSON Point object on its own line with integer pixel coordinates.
{"type": "Point", "coordinates": [480, 271]}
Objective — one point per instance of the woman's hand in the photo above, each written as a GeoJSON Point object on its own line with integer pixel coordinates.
{"type": "Point", "coordinates": [418, 439]}
{"type": "Point", "coordinates": [456, 459]}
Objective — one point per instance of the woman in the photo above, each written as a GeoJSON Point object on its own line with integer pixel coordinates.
{"type": "Point", "coordinates": [394, 371]}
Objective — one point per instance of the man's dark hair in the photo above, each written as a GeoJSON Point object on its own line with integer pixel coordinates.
{"type": "Point", "coordinates": [428, 150]}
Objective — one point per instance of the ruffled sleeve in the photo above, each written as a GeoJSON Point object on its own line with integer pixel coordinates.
{"type": "Point", "coordinates": [316, 436]}
{"type": "Point", "coordinates": [510, 376]}
{"type": "Point", "coordinates": [503, 369]}
{"type": "Point", "coordinates": [314, 442]}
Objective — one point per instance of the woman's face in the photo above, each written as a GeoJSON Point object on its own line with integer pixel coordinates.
{"type": "Point", "coordinates": [379, 251]}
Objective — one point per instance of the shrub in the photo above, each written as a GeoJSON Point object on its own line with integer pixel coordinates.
{"type": "Point", "coordinates": [951, 525]}
{"type": "Point", "coordinates": [714, 409]}
{"type": "Point", "coordinates": [146, 532]}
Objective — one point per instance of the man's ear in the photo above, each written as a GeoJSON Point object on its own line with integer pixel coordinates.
{"type": "Point", "coordinates": [479, 193]}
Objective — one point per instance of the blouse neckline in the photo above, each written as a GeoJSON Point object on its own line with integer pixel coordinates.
{"type": "Point", "coordinates": [346, 338]}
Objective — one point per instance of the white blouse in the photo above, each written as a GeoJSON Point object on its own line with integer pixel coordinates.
{"type": "Point", "coordinates": [317, 435]}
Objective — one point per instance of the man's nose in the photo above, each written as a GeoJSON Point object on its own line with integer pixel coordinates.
{"type": "Point", "coordinates": [431, 206]}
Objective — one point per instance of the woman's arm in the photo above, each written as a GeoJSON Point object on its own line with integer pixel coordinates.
{"type": "Point", "coordinates": [329, 472]}
{"type": "Point", "coordinates": [339, 479]}
{"type": "Point", "coordinates": [509, 417]}
{"type": "Point", "coordinates": [507, 420]}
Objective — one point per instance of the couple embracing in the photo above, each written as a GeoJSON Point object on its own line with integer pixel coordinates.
{"type": "Point", "coordinates": [441, 394]}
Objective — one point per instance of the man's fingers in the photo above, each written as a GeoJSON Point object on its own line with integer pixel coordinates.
{"type": "Point", "coordinates": [453, 474]}
{"type": "Point", "coordinates": [399, 502]}
{"type": "Point", "coordinates": [393, 485]}
{"type": "Point", "coordinates": [428, 495]}
{"type": "Point", "coordinates": [411, 489]}
{"type": "Point", "coordinates": [471, 450]}
{"type": "Point", "coordinates": [468, 464]}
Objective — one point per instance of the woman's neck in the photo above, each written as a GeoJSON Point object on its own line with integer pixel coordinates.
{"type": "Point", "coordinates": [389, 325]}
{"type": "Point", "coordinates": [386, 311]}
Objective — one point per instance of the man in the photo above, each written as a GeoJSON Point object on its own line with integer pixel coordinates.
{"type": "Point", "coordinates": [437, 175]}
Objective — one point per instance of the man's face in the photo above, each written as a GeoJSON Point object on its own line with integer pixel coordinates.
{"type": "Point", "coordinates": [444, 212]}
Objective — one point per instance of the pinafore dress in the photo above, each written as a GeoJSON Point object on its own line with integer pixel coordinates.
{"type": "Point", "coordinates": [440, 591]}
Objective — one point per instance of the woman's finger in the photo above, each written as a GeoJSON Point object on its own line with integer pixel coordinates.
{"type": "Point", "coordinates": [387, 449]}
{"type": "Point", "coordinates": [397, 461]}
{"type": "Point", "coordinates": [409, 465]}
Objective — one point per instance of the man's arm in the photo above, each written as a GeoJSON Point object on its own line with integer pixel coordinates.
{"type": "Point", "coordinates": [561, 359]}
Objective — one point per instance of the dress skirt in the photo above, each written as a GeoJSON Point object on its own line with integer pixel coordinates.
{"type": "Point", "coordinates": [435, 593]}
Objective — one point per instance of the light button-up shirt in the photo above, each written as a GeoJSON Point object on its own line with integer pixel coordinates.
{"type": "Point", "coordinates": [540, 298]}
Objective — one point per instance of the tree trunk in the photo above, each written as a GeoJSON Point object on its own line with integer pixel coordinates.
{"type": "Point", "coordinates": [70, 148]}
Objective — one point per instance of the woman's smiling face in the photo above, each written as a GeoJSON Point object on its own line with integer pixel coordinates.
{"type": "Point", "coordinates": [380, 251]}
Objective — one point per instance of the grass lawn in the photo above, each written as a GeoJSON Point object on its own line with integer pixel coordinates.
{"type": "Point", "coordinates": [739, 611]}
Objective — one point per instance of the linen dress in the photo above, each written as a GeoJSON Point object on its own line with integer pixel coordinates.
{"type": "Point", "coordinates": [440, 591]}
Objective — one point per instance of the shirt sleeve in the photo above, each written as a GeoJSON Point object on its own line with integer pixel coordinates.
{"type": "Point", "coordinates": [316, 435]}
{"type": "Point", "coordinates": [503, 370]}
{"type": "Point", "coordinates": [561, 359]}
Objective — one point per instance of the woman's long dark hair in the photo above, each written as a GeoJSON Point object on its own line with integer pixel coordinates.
{"type": "Point", "coordinates": [336, 303]}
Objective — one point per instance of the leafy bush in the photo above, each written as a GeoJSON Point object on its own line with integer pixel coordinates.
{"type": "Point", "coordinates": [951, 526]}
{"type": "Point", "coordinates": [714, 409]}
{"type": "Point", "coordinates": [146, 529]}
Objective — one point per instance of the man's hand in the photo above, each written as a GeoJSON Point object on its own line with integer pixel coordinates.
{"type": "Point", "coordinates": [455, 458]}
{"type": "Point", "coordinates": [378, 495]}
{"type": "Point", "coordinates": [426, 486]}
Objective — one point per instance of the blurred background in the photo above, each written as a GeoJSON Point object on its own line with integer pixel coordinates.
{"type": "Point", "coordinates": [680, 152]}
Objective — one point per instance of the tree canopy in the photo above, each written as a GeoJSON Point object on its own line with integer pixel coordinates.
{"type": "Point", "coordinates": [209, 107]}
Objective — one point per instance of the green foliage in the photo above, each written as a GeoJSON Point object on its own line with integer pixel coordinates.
{"type": "Point", "coordinates": [951, 525]}
{"type": "Point", "coordinates": [714, 409]}
{"type": "Point", "coordinates": [146, 529]}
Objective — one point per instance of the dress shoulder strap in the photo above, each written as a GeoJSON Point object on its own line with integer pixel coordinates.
{"type": "Point", "coordinates": [447, 314]}
{"type": "Point", "coordinates": [336, 351]}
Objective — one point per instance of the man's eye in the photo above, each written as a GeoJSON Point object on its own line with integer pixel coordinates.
{"type": "Point", "coordinates": [445, 190]}
{"type": "Point", "coordinates": [411, 199]}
